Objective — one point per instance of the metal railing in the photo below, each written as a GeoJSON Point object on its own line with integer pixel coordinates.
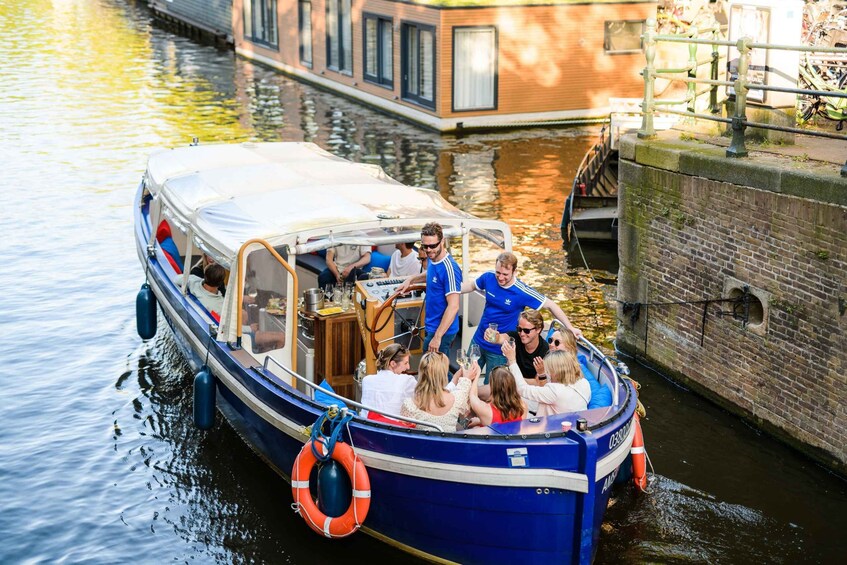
{"type": "Point", "coordinates": [342, 400]}
{"type": "Point", "coordinates": [741, 86]}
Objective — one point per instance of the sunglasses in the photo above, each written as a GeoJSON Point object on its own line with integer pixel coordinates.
{"type": "Point", "coordinates": [431, 245]}
{"type": "Point", "coordinates": [555, 342]}
{"type": "Point", "coordinates": [525, 330]}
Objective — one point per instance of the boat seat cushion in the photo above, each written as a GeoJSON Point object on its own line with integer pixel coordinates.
{"type": "Point", "coordinates": [377, 417]}
{"type": "Point", "coordinates": [172, 254]}
{"type": "Point", "coordinates": [324, 398]}
{"type": "Point", "coordinates": [378, 259]}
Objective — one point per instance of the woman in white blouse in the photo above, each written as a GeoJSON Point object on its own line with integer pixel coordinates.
{"type": "Point", "coordinates": [565, 389]}
{"type": "Point", "coordinates": [435, 400]}
{"type": "Point", "coordinates": [386, 389]}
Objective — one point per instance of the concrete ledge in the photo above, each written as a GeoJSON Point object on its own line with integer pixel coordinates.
{"type": "Point", "coordinates": [792, 175]}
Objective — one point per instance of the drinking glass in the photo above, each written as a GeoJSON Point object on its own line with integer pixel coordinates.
{"type": "Point", "coordinates": [462, 359]}
{"type": "Point", "coordinates": [491, 334]}
{"type": "Point", "coordinates": [473, 353]}
{"type": "Point", "coordinates": [511, 341]}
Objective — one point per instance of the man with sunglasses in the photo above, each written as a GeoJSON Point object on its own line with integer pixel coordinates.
{"type": "Point", "coordinates": [506, 296]}
{"type": "Point", "coordinates": [443, 285]}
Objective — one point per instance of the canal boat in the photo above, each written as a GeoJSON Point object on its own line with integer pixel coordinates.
{"type": "Point", "coordinates": [533, 491]}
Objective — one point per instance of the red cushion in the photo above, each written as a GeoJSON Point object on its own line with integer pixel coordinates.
{"type": "Point", "coordinates": [216, 316]}
{"type": "Point", "coordinates": [163, 231]}
{"type": "Point", "coordinates": [377, 417]}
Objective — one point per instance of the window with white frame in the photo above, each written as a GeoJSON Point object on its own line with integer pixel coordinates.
{"type": "Point", "coordinates": [305, 31]}
{"type": "Point", "coordinates": [418, 64]}
{"type": "Point", "coordinates": [474, 68]}
{"type": "Point", "coordinates": [623, 36]}
{"type": "Point", "coordinates": [378, 39]}
{"type": "Point", "coordinates": [260, 21]}
{"type": "Point", "coordinates": [339, 36]}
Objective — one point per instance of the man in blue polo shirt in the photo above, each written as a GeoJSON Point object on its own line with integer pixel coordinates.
{"type": "Point", "coordinates": [443, 286]}
{"type": "Point", "coordinates": [506, 296]}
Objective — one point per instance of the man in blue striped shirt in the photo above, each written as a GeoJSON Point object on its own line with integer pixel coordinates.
{"type": "Point", "coordinates": [506, 296]}
{"type": "Point", "coordinates": [443, 286]}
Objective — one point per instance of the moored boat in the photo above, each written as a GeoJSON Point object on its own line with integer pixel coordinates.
{"type": "Point", "coordinates": [524, 491]}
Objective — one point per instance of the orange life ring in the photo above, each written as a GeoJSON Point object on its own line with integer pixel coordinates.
{"type": "Point", "coordinates": [351, 520]}
{"type": "Point", "coordinates": [639, 457]}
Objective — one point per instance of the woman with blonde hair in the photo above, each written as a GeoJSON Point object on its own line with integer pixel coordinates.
{"type": "Point", "coordinates": [566, 390]}
{"type": "Point", "coordinates": [506, 404]}
{"type": "Point", "coordinates": [601, 396]}
{"type": "Point", "coordinates": [436, 400]}
{"type": "Point", "coordinates": [386, 390]}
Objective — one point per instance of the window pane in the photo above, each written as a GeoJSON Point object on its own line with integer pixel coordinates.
{"type": "Point", "coordinates": [474, 68]}
{"type": "Point", "coordinates": [346, 36]}
{"type": "Point", "coordinates": [427, 68]}
{"type": "Point", "coordinates": [248, 19]}
{"type": "Point", "coordinates": [306, 31]}
{"type": "Point", "coordinates": [412, 54]}
{"type": "Point", "coordinates": [270, 18]}
{"type": "Point", "coordinates": [332, 33]}
{"type": "Point", "coordinates": [370, 47]}
{"type": "Point", "coordinates": [387, 59]}
{"type": "Point", "coordinates": [623, 36]}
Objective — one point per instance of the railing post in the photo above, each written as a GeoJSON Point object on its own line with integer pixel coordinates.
{"type": "Point", "coordinates": [713, 95]}
{"type": "Point", "coordinates": [692, 72]}
{"type": "Point", "coordinates": [648, 73]}
{"type": "Point", "coordinates": [736, 147]}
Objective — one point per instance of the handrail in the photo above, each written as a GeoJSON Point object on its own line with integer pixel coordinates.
{"type": "Point", "coordinates": [346, 401]}
{"type": "Point", "coordinates": [741, 85]}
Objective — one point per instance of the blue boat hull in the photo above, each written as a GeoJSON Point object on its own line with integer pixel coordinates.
{"type": "Point", "coordinates": [531, 494]}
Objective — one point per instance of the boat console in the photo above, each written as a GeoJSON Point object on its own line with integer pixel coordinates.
{"type": "Point", "coordinates": [379, 312]}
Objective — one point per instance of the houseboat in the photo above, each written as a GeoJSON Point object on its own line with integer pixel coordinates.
{"type": "Point", "coordinates": [456, 64]}
{"type": "Point", "coordinates": [532, 491]}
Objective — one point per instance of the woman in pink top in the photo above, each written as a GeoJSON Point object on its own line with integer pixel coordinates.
{"type": "Point", "coordinates": [506, 404]}
{"type": "Point", "coordinates": [566, 390]}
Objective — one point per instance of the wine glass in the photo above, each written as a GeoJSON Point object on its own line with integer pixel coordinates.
{"type": "Point", "coordinates": [462, 359]}
{"type": "Point", "coordinates": [473, 353]}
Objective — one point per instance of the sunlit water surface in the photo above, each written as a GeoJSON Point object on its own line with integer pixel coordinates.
{"type": "Point", "coordinates": [99, 461]}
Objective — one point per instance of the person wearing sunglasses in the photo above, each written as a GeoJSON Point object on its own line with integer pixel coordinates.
{"type": "Point", "coordinates": [565, 391]}
{"type": "Point", "coordinates": [443, 284]}
{"type": "Point", "coordinates": [530, 349]}
{"type": "Point", "coordinates": [601, 396]}
{"type": "Point", "coordinates": [506, 296]}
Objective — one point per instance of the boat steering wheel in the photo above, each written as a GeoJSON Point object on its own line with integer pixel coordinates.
{"type": "Point", "coordinates": [413, 329]}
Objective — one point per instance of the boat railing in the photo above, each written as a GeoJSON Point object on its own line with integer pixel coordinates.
{"type": "Point", "coordinates": [606, 361]}
{"type": "Point", "coordinates": [740, 85]}
{"type": "Point", "coordinates": [345, 401]}
{"type": "Point", "coordinates": [590, 170]}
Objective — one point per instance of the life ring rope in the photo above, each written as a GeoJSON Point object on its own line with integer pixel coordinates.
{"type": "Point", "coordinates": [323, 448]}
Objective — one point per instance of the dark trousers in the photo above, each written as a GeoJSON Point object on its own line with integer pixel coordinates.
{"type": "Point", "coordinates": [326, 278]}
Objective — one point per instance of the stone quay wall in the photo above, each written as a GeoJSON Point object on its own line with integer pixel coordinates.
{"type": "Point", "coordinates": [696, 225]}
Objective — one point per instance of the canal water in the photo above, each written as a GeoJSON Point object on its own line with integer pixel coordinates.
{"type": "Point", "coordinates": [99, 461]}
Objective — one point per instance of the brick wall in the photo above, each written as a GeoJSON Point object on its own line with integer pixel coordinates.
{"type": "Point", "coordinates": [683, 236]}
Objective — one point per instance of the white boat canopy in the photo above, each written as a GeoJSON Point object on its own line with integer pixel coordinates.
{"type": "Point", "coordinates": [293, 194]}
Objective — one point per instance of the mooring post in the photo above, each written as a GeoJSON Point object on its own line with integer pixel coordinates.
{"type": "Point", "coordinates": [737, 147]}
{"type": "Point", "coordinates": [649, 75]}
{"type": "Point", "coordinates": [692, 73]}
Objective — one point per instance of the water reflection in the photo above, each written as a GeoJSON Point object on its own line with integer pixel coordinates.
{"type": "Point", "coordinates": [100, 461]}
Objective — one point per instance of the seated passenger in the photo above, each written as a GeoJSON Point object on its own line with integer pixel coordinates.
{"type": "Point", "coordinates": [206, 289]}
{"type": "Point", "coordinates": [200, 267]}
{"type": "Point", "coordinates": [387, 389]}
{"type": "Point", "coordinates": [566, 390]}
{"type": "Point", "coordinates": [344, 264]}
{"type": "Point", "coordinates": [433, 402]}
{"type": "Point", "coordinates": [404, 261]}
{"type": "Point", "coordinates": [506, 404]}
{"type": "Point", "coordinates": [601, 396]}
